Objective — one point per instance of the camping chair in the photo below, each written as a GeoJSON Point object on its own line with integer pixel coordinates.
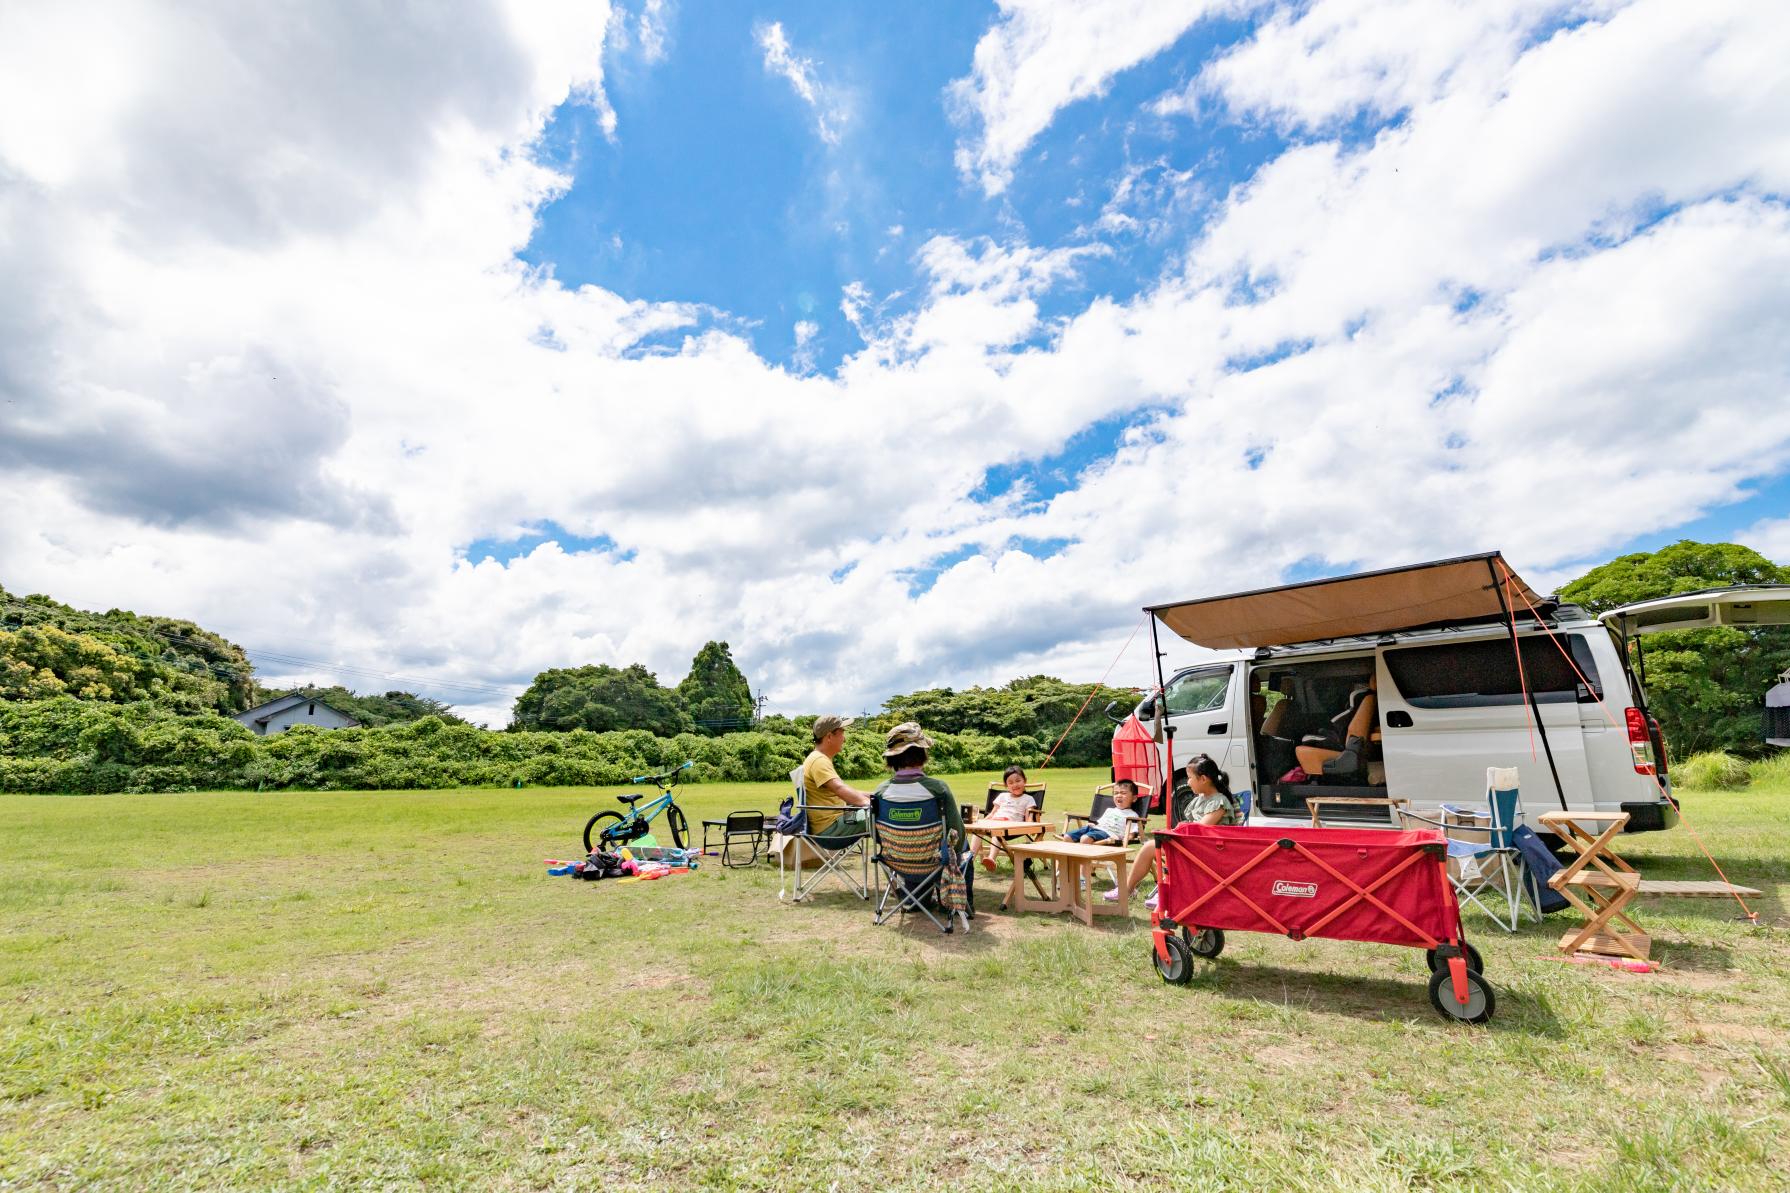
{"type": "Point", "coordinates": [922, 869]}
{"type": "Point", "coordinates": [740, 831]}
{"type": "Point", "coordinates": [969, 812]}
{"type": "Point", "coordinates": [833, 853]}
{"type": "Point", "coordinates": [1103, 799]}
{"type": "Point", "coordinates": [1134, 830]}
{"type": "Point", "coordinates": [1483, 859]}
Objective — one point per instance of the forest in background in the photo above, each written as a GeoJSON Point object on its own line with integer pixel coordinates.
{"type": "Point", "coordinates": [117, 701]}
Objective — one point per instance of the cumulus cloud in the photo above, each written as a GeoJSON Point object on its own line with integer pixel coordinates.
{"type": "Point", "coordinates": [1544, 311]}
{"type": "Point", "coordinates": [1041, 56]}
{"type": "Point", "coordinates": [1770, 537]}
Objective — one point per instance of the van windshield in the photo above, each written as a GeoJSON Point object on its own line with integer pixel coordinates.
{"type": "Point", "coordinates": [1198, 691]}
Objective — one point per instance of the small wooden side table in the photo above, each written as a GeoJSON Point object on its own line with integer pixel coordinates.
{"type": "Point", "coordinates": [1071, 867]}
{"type": "Point", "coordinates": [1599, 884]}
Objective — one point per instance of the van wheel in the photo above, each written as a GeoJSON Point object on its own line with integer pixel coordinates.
{"type": "Point", "coordinates": [1206, 942]}
{"type": "Point", "coordinates": [1178, 970]}
{"type": "Point", "coordinates": [1474, 960]}
{"type": "Point", "coordinates": [1480, 1000]}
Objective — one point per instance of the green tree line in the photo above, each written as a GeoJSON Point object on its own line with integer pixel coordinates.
{"type": "Point", "coordinates": [122, 702]}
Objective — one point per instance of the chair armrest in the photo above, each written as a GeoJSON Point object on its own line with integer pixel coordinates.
{"type": "Point", "coordinates": [1067, 816]}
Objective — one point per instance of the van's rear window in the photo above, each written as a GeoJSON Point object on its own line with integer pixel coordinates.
{"type": "Point", "coordinates": [1468, 674]}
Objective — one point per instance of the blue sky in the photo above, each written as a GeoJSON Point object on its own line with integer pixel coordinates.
{"type": "Point", "coordinates": [485, 359]}
{"type": "Point", "coordinates": [718, 190]}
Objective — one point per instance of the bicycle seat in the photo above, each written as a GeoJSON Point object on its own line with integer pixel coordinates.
{"type": "Point", "coordinates": [630, 799]}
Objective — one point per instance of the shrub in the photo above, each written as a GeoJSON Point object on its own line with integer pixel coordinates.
{"type": "Point", "coordinates": [1715, 770]}
{"type": "Point", "coordinates": [1771, 774]}
{"type": "Point", "coordinates": [66, 745]}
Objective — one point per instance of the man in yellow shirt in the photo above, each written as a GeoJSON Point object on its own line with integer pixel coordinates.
{"type": "Point", "coordinates": [825, 789]}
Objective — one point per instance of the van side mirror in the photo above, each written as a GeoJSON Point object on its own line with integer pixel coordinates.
{"type": "Point", "coordinates": [1116, 717]}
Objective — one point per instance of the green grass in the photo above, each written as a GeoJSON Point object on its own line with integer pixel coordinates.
{"type": "Point", "coordinates": [385, 989]}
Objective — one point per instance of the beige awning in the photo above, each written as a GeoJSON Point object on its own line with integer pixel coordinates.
{"type": "Point", "coordinates": [1348, 606]}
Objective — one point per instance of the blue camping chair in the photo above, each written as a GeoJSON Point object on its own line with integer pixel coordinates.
{"type": "Point", "coordinates": [1484, 862]}
{"type": "Point", "coordinates": [923, 870]}
{"type": "Point", "coordinates": [832, 856]}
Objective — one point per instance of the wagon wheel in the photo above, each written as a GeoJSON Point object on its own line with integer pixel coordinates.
{"type": "Point", "coordinates": [1205, 942]}
{"type": "Point", "coordinates": [1178, 970]}
{"type": "Point", "coordinates": [1480, 1000]}
{"type": "Point", "coordinates": [1474, 961]}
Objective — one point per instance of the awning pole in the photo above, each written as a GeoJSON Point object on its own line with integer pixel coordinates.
{"type": "Point", "coordinates": [1534, 708]}
{"type": "Point", "coordinates": [1168, 731]}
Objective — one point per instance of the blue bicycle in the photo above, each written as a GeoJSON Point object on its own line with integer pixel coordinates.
{"type": "Point", "coordinates": [610, 830]}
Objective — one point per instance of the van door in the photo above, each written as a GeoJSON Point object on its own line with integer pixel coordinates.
{"type": "Point", "coordinates": [1203, 707]}
{"type": "Point", "coordinates": [1450, 710]}
{"type": "Point", "coordinates": [1744, 606]}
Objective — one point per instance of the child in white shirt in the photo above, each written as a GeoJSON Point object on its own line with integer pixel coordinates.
{"type": "Point", "coordinates": [1012, 805]}
{"type": "Point", "coordinates": [1112, 822]}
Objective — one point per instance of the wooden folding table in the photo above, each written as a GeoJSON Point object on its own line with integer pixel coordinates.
{"type": "Point", "coordinates": [1599, 884]}
{"type": "Point", "coordinates": [1071, 869]}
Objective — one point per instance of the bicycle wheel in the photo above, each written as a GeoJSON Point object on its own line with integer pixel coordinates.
{"type": "Point", "coordinates": [593, 834]}
{"type": "Point", "coordinates": [680, 828]}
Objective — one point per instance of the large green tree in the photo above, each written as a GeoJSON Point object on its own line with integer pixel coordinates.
{"type": "Point", "coordinates": [1707, 687]}
{"type": "Point", "coordinates": [716, 693]}
{"type": "Point", "coordinates": [391, 708]}
{"type": "Point", "coordinates": [601, 697]}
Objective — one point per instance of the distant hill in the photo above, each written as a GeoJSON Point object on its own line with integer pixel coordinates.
{"type": "Point", "coordinates": [49, 649]}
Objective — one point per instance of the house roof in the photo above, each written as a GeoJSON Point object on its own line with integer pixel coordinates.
{"type": "Point", "coordinates": [262, 713]}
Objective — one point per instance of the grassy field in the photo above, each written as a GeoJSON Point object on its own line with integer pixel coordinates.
{"type": "Point", "coordinates": [385, 989]}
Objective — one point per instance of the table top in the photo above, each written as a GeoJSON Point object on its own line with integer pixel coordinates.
{"type": "Point", "coordinates": [1588, 814]}
{"type": "Point", "coordinates": [1009, 828]}
{"type": "Point", "coordinates": [1068, 849]}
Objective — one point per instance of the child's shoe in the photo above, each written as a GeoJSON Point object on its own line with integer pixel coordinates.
{"type": "Point", "coordinates": [988, 864]}
{"type": "Point", "coordinates": [1150, 903]}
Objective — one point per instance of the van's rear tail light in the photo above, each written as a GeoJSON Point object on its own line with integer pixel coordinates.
{"type": "Point", "coordinates": [1640, 742]}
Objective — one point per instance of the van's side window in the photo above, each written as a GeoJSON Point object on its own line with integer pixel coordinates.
{"type": "Point", "coordinates": [1475, 674]}
{"type": "Point", "coordinates": [1198, 691]}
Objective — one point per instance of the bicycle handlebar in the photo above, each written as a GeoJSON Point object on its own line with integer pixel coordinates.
{"type": "Point", "coordinates": [664, 774]}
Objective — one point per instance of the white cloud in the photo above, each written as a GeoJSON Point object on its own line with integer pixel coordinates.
{"type": "Point", "coordinates": [801, 74]}
{"type": "Point", "coordinates": [1770, 537]}
{"type": "Point", "coordinates": [1043, 55]}
{"type": "Point", "coordinates": [275, 367]}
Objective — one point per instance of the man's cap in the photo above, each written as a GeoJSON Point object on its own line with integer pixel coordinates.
{"type": "Point", "coordinates": [904, 737]}
{"type": "Point", "coordinates": [829, 723]}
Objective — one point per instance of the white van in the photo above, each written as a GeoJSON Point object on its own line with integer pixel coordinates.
{"type": "Point", "coordinates": [1440, 645]}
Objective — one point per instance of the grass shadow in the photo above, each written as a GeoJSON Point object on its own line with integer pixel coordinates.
{"type": "Point", "coordinates": [1384, 1000]}
{"type": "Point", "coordinates": [1698, 958]}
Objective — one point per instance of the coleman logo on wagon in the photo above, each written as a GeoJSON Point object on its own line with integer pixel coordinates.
{"type": "Point", "coordinates": [1295, 890]}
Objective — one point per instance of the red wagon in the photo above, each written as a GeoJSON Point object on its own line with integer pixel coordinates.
{"type": "Point", "coordinates": [1334, 884]}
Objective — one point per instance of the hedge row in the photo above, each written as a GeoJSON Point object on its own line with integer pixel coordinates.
{"type": "Point", "coordinates": [67, 745]}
